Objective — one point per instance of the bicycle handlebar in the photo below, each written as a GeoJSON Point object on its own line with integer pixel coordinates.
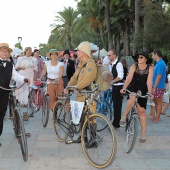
{"type": "Point", "coordinates": [138, 94]}
{"type": "Point", "coordinates": [12, 88]}
{"type": "Point", "coordinates": [81, 91]}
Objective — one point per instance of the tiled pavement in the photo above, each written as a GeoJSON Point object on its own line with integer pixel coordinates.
{"type": "Point", "coordinates": [46, 153]}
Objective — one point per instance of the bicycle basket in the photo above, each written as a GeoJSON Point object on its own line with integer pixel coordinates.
{"type": "Point", "coordinates": [39, 83]}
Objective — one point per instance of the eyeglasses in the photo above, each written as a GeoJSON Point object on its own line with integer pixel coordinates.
{"type": "Point", "coordinates": [141, 57]}
{"type": "Point", "coordinates": [109, 55]}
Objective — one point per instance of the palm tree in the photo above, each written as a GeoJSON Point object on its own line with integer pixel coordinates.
{"type": "Point", "coordinates": [65, 23]}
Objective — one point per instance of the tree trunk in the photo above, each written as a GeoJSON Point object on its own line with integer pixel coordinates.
{"type": "Point", "coordinates": [126, 38]}
{"type": "Point", "coordinates": [146, 26]}
{"type": "Point", "coordinates": [136, 34]}
{"type": "Point", "coordinates": [118, 45]}
{"type": "Point", "coordinates": [107, 14]}
{"type": "Point", "coordinates": [69, 41]}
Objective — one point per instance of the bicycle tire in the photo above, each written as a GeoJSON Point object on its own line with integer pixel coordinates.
{"type": "Point", "coordinates": [103, 108]}
{"type": "Point", "coordinates": [12, 114]}
{"type": "Point", "coordinates": [60, 121]}
{"type": "Point", "coordinates": [131, 131]}
{"type": "Point", "coordinates": [31, 102]}
{"type": "Point", "coordinates": [21, 135]}
{"type": "Point", "coordinates": [98, 138]}
{"type": "Point", "coordinates": [45, 110]}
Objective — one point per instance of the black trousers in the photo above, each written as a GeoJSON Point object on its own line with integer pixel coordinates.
{"type": "Point", "coordinates": [117, 104]}
{"type": "Point", "coordinates": [4, 97]}
{"type": "Point", "coordinates": [66, 80]}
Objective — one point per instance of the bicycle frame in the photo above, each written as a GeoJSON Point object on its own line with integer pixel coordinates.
{"type": "Point", "coordinates": [86, 107]}
{"type": "Point", "coordinates": [39, 95]}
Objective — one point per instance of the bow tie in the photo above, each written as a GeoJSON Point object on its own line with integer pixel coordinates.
{"type": "Point", "coordinates": [2, 62]}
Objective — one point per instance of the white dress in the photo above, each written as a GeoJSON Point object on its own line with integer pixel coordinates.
{"type": "Point", "coordinates": [30, 64]}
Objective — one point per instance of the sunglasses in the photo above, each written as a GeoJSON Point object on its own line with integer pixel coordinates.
{"type": "Point", "coordinates": [141, 57]}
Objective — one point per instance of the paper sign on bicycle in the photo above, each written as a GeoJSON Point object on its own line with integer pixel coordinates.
{"type": "Point", "coordinates": [76, 111]}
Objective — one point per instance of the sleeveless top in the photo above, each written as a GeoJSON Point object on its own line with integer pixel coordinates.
{"type": "Point", "coordinates": [139, 81]}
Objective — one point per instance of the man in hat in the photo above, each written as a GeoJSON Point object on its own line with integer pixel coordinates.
{"type": "Point", "coordinates": [69, 68]}
{"type": "Point", "coordinates": [158, 84]}
{"type": "Point", "coordinates": [85, 74]}
{"type": "Point", "coordinates": [7, 71]}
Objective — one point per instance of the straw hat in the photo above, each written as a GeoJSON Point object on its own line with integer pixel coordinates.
{"type": "Point", "coordinates": [51, 51]}
{"type": "Point", "coordinates": [5, 45]}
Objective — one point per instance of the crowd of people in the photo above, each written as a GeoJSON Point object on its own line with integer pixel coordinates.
{"type": "Point", "coordinates": [81, 72]}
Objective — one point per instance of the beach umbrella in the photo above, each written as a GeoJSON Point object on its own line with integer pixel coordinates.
{"type": "Point", "coordinates": [16, 51]}
{"type": "Point", "coordinates": [103, 53]}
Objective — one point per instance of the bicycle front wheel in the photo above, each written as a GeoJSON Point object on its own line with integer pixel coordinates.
{"type": "Point", "coordinates": [98, 146]}
{"type": "Point", "coordinates": [12, 114]}
{"type": "Point", "coordinates": [131, 133]}
{"type": "Point", "coordinates": [45, 110]}
{"type": "Point", "coordinates": [22, 140]}
{"type": "Point", "coordinates": [60, 121]}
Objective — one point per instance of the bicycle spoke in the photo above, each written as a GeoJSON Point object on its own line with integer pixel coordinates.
{"type": "Point", "coordinates": [101, 145]}
{"type": "Point", "coordinates": [131, 134]}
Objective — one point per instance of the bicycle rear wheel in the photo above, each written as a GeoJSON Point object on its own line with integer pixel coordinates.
{"type": "Point", "coordinates": [103, 107]}
{"type": "Point", "coordinates": [45, 110]}
{"type": "Point", "coordinates": [61, 121]}
{"type": "Point", "coordinates": [22, 140]}
{"type": "Point", "coordinates": [131, 133]}
{"type": "Point", "coordinates": [99, 147]}
{"type": "Point", "coordinates": [31, 102]}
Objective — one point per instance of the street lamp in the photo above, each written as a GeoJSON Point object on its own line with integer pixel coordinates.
{"type": "Point", "coordinates": [19, 42]}
{"type": "Point", "coordinates": [99, 43]}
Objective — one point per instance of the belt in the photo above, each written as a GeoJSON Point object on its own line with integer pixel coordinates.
{"type": "Point", "coordinates": [51, 79]}
{"type": "Point", "coordinates": [64, 76]}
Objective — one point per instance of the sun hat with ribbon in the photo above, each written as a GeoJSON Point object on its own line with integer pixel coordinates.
{"type": "Point", "coordinates": [5, 45]}
{"type": "Point", "coordinates": [48, 55]}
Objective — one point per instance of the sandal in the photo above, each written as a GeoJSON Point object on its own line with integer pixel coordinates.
{"type": "Point", "coordinates": [143, 139]}
{"type": "Point", "coordinates": [150, 117]}
{"type": "Point", "coordinates": [163, 113]}
{"type": "Point", "coordinates": [25, 116]}
{"type": "Point", "coordinates": [156, 120]}
{"type": "Point", "coordinates": [123, 121]}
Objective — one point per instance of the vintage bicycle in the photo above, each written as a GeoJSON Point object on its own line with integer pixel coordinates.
{"type": "Point", "coordinates": [105, 104]}
{"type": "Point", "coordinates": [37, 97]}
{"type": "Point", "coordinates": [131, 125]}
{"type": "Point", "coordinates": [98, 143]}
{"type": "Point", "coordinates": [16, 118]}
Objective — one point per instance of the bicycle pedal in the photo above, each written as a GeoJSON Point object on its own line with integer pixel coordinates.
{"type": "Point", "coordinates": [68, 141]}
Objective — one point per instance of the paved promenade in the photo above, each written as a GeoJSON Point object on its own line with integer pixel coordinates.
{"type": "Point", "coordinates": [46, 153]}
